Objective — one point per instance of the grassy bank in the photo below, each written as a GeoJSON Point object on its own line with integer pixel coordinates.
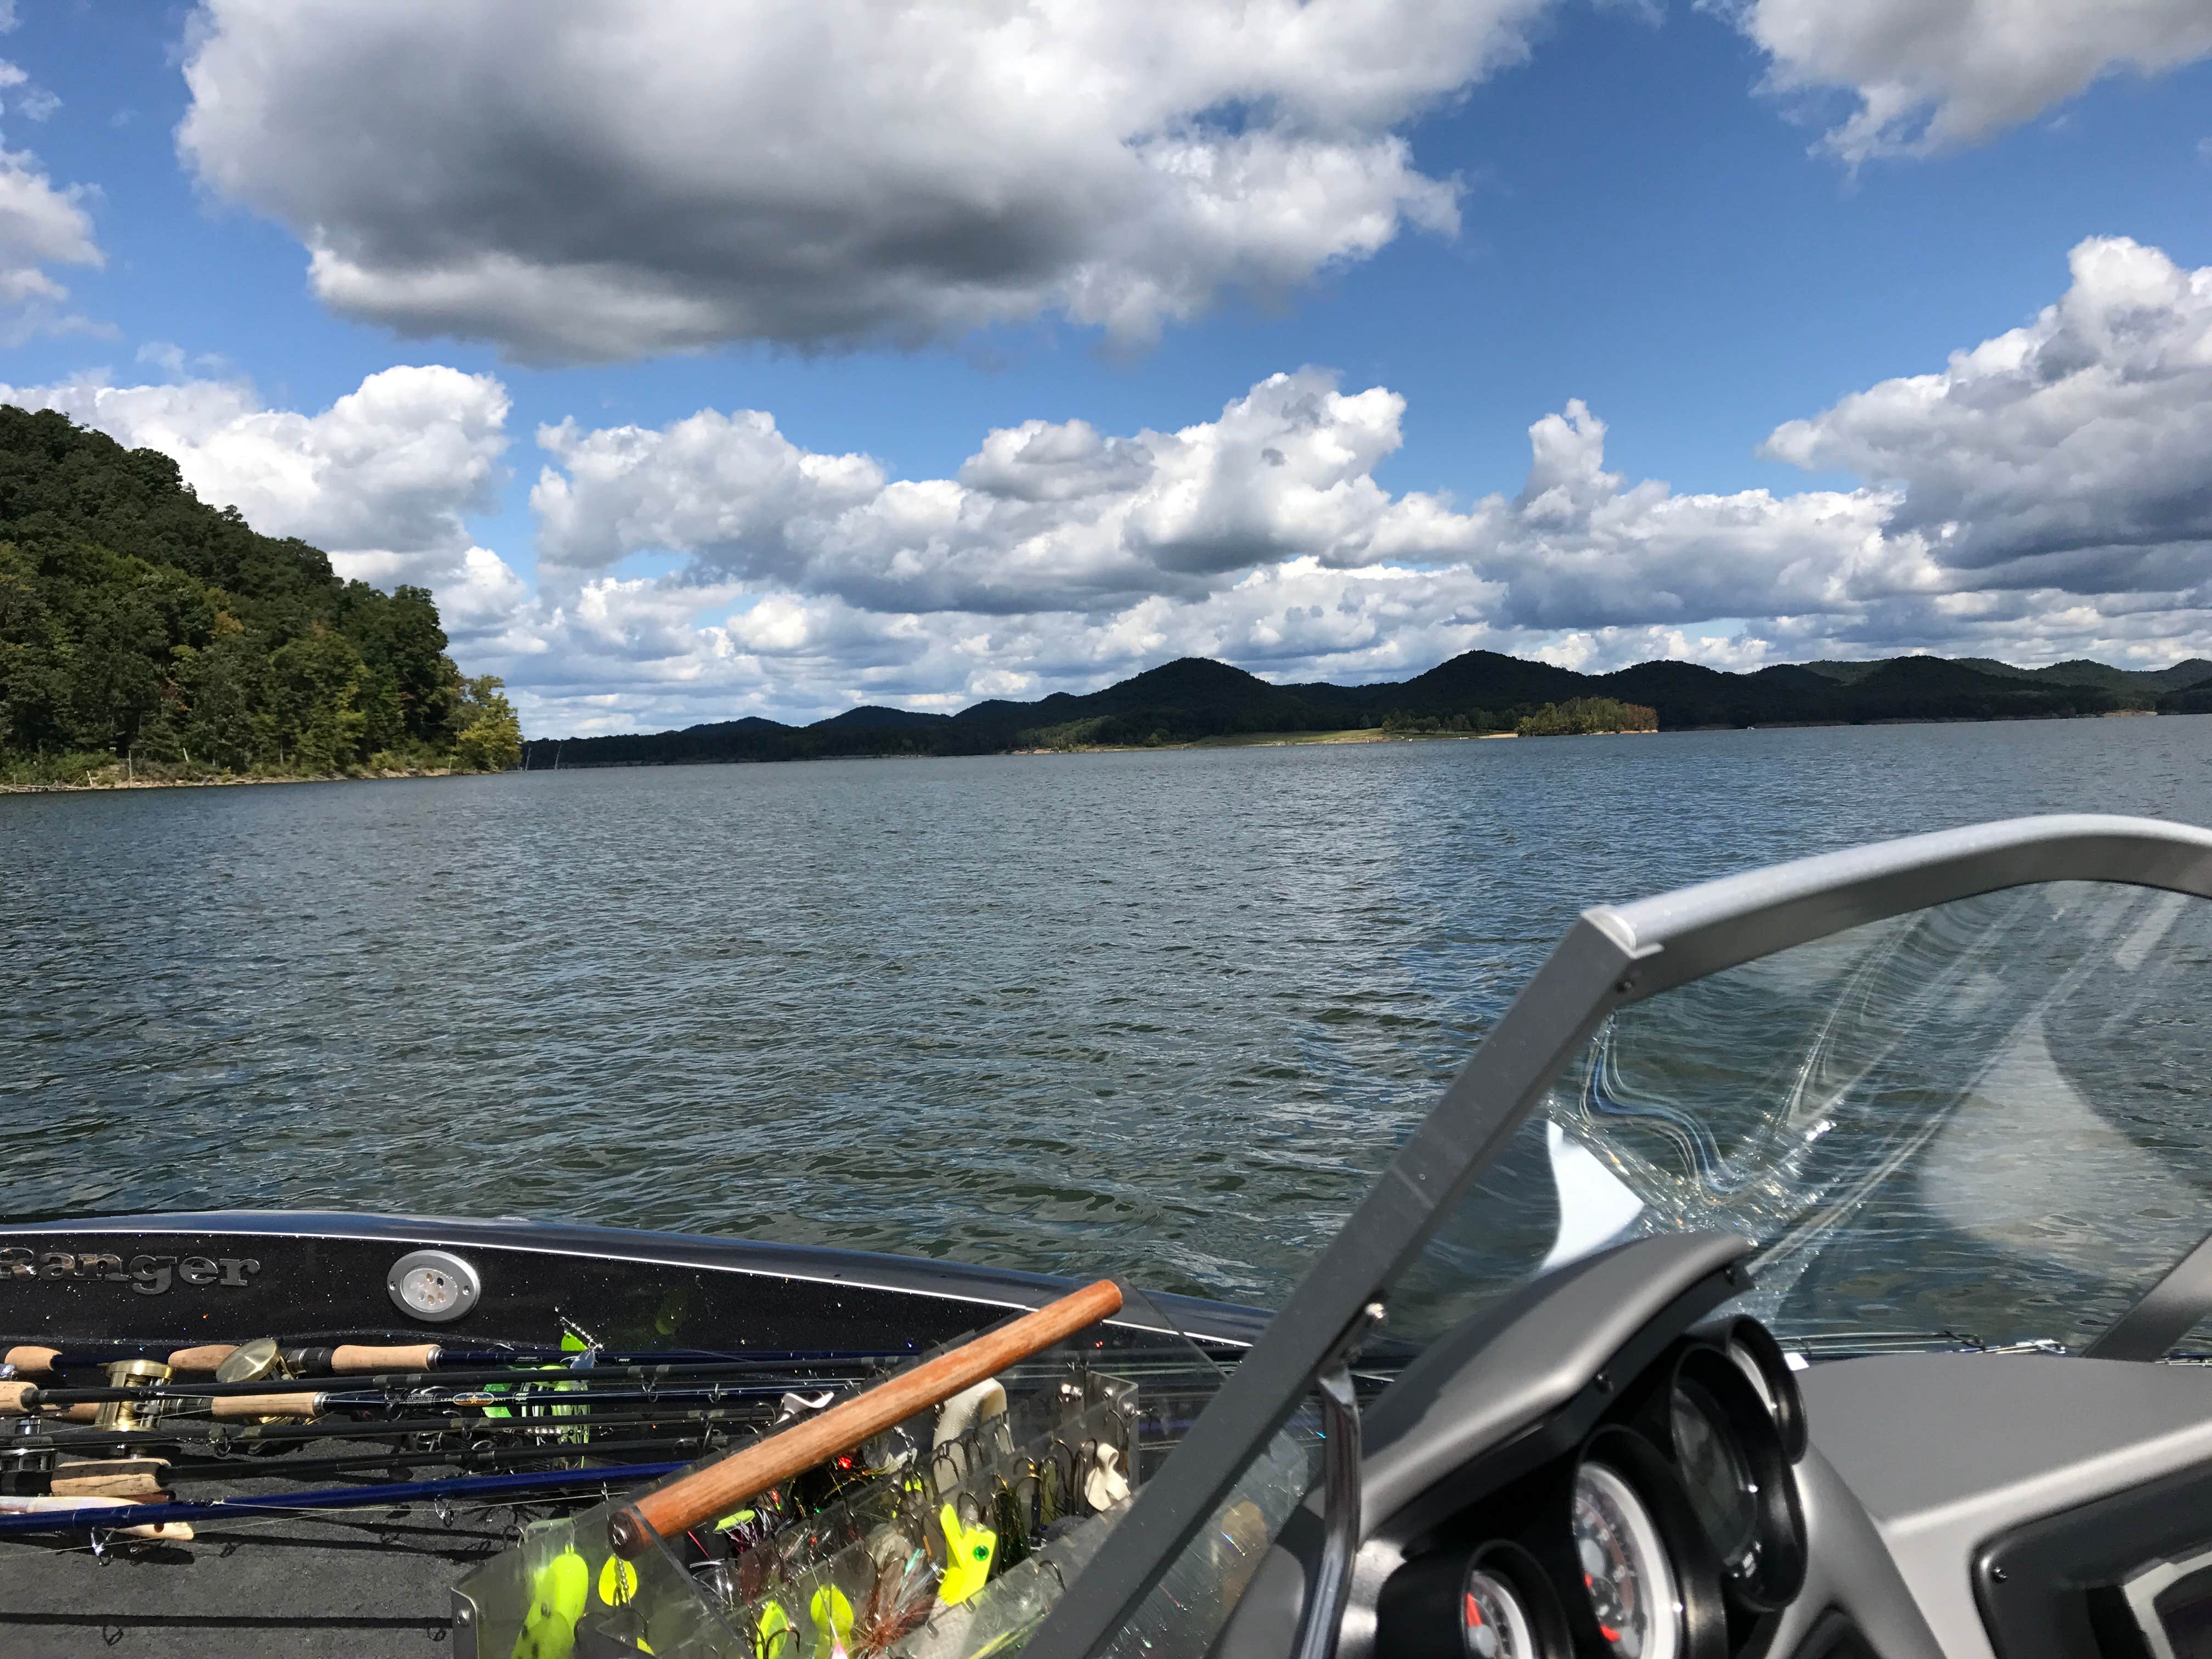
{"type": "Point", "coordinates": [53, 773]}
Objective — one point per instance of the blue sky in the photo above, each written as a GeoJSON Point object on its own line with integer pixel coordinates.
{"type": "Point", "coordinates": [1694, 220]}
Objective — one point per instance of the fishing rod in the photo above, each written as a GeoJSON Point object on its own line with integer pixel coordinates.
{"type": "Point", "coordinates": [481, 1458]}
{"type": "Point", "coordinates": [262, 1401]}
{"type": "Point", "coordinates": [252, 1434]}
{"type": "Point", "coordinates": [110, 1516]}
{"type": "Point", "coordinates": [29, 1359]}
{"type": "Point", "coordinates": [34, 1395]}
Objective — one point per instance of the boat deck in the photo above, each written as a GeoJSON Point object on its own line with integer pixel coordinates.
{"type": "Point", "coordinates": [350, 1586]}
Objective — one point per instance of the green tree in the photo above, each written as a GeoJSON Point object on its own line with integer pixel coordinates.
{"type": "Point", "coordinates": [490, 737]}
{"type": "Point", "coordinates": [225, 687]}
{"type": "Point", "coordinates": [316, 686]}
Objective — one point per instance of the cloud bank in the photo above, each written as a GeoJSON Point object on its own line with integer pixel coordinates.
{"type": "Point", "coordinates": [1930, 75]}
{"type": "Point", "coordinates": [2045, 495]}
{"type": "Point", "coordinates": [604, 181]}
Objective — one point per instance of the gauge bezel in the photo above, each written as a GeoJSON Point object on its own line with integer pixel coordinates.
{"type": "Point", "coordinates": [1756, 1345]}
{"type": "Point", "coordinates": [1521, 1572]}
{"type": "Point", "coordinates": [1417, 1613]}
{"type": "Point", "coordinates": [1773, 1571]}
{"type": "Point", "coordinates": [1650, 1475]}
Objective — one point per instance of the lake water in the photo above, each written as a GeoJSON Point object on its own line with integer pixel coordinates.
{"type": "Point", "coordinates": [1162, 1012]}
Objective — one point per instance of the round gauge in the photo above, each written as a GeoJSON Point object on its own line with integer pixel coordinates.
{"type": "Point", "coordinates": [1759, 1358]}
{"type": "Point", "coordinates": [1625, 1570]}
{"type": "Point", "coordinates": [1748, 1362]}
{"type": "Point", "coordinates": [1492, 1623]}
{"type": "Point", "coordinates": [1717, 1470]}
{"type": "Point", "coordinates": [1497, 1601]}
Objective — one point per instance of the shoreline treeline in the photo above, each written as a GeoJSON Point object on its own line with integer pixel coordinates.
{"type": "Point", "coordinates": [143, 633]}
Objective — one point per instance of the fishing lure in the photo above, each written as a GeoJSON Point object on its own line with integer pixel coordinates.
{"type": "Point", "coordinates": [558, 1592]}
{"type": "Point", "coordinates": [831, 1612]}
{"type": "Point", "coordinates": [968, 1554]}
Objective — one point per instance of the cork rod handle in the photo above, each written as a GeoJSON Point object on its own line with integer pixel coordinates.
{"type": "Point", "coordinates": [203, 1358]}
{"type": "Point", "coordinates": [352, 1357]}
{"type": "Point", "coordinates": [721, 1488]}
{"type": "Point", "coordinates": [266, 1405]}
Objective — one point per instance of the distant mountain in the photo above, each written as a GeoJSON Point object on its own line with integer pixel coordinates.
{"type": "Point", "coordinates": [1480, 690]}
{"type": "Point", "coordinates": [872, 715]}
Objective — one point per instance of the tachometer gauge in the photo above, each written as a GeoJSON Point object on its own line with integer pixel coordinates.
{"type": "Point", "coordinates": [1492, 1623]}
{"type": "Point", "coordinates": [1625, 1570]}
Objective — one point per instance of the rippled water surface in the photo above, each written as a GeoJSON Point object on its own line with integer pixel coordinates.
{"type": "Point", "coordinates": [1163, 1012]}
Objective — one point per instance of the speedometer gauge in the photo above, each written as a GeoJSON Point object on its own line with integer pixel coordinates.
{"type": "Point", "coordinates": [1624, 1567]}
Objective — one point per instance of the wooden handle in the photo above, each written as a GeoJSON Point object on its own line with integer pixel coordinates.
{"type": "Point", "coordinates": [352, 1357]}
{"type": "Point", "coordinates": [266, 1405]}
{"type": "Point", "coordinates": [721, 1488]}
{"type": "Point", "coordinates": [11, 1398]}
{"type": "Point", "coordinates": [203, 1358]}
{"type": "Point", "coordinates": [29, 1357]}
{"type": "Point", "coordinates": [107, 1480]}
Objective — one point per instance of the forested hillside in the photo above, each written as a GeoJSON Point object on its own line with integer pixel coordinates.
{"type": "Point", "coordinates": [141, 628]}
{"type": "Point", "coordinates": [1479, 692]}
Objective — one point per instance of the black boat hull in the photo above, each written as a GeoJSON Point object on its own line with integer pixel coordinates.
{"type": "Point", "coordinates": [321, 1278]}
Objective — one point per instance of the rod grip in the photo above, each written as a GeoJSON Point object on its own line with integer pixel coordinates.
{"type": "Point", "coordinates": [11, 1398]}
{"type": "Point", "coordinates": [202, 1358]}
{"type": "Point", "coordinates": [721, 1488]}
{"type": "Point", "coordinates": [354, 1356]}
{"type": "Point", "coordinates": [266, 1405]}
{"type": "Point", "coordinates": [30, 1356]}
{"type": "Point", "coordinates": [138, 1477]}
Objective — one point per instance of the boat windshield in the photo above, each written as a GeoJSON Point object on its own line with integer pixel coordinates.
{"type": "Point", "coordinates": [1986, 1119]}
{"type": "Point", "coordinates": [1950, 1087]}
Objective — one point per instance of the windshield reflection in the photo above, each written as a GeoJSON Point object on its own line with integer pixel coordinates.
{"type": "Point", "coordinates": [1986, 1118]}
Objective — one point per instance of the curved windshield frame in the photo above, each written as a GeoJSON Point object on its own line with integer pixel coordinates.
{"type": "Point", "coordinates": [1611, 959]}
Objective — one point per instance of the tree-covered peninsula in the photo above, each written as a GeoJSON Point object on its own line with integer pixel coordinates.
{"type": "Point", "coordinates": [143, 633]}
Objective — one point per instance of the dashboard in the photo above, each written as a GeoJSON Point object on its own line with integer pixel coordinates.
{"type": "Point", "coordinates": [1610, 1465]}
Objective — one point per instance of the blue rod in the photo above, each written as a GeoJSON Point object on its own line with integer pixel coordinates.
{"type": "Point", "coordinates": [110, 1517]}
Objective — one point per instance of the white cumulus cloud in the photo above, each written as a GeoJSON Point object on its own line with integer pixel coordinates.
{"type": "Point", "coordinates": [1044, 516]}
{"type": "Point", "coordinates": [634, 176]}
{"type": "Point", "coordinates": [1931, 74]}
{"type": "Point", "coordinates": [2074, 452]}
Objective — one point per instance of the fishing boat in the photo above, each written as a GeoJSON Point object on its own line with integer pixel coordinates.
{"type": "Point", "coordinates": [1807, 1264]}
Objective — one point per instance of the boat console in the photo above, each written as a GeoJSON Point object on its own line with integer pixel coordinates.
{"type": "Point", "coordinates": [1616, 1464]}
